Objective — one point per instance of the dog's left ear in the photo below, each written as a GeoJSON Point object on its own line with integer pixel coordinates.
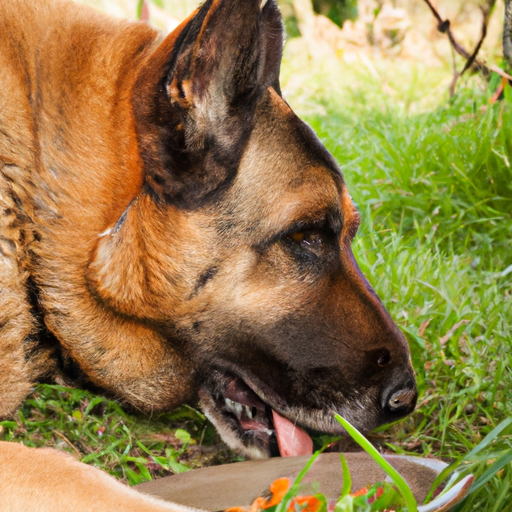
{"type": "Point", "coordinates": [195, 97]}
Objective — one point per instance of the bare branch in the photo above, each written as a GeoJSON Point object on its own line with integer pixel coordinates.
{"type": "Point", "coordinates": [471, 60]}
{"type": "Point", "coordinates": [486, 11]}
{"type": "Point", "coordinates": [507, 33]}
{"type": "Point", "coordinates": [500, 72]}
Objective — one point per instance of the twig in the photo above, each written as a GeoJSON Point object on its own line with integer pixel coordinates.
{"type": "Point", "coordinates": [486, 11]}
{"type": "Point", "coordinates": [507, 33]}
{"type": "Point", "coordinates": [499, 90]}
{"type": "Point", "coordinates": [500, 72]}
{"type": "Point", "coordinates": [67, 441]}
{"type": "Point", "coordinates": [444, 27]}
{"type": "Point", "coordinates": [507, 53]}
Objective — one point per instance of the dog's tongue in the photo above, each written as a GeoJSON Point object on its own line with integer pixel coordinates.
{"type": "Point", "coordinates": [292, 440]}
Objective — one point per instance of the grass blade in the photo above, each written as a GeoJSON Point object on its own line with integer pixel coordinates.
{"type": "Point", "coordinates": [347, 479]}
{"type": "Point", "coordinates": [505, 459]}
{"type": "Point", "coordinates": [282, 507]}
{"type": "Point", "coordinates": [486, 441]}
{"type": "Point", "coordinates": [398, 480]}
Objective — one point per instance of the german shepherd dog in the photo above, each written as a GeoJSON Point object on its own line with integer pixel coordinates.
{"type": "Point", "coordinates": [171, 232]}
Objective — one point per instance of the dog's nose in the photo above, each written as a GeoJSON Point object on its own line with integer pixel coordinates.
{"type": "Point", "coordinates": [400, 400]}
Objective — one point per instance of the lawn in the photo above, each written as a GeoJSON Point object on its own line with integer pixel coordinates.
{"type": "Point", "coordinates": [432, 178]}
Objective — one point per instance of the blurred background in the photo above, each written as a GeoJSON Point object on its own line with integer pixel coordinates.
{"type": "Point", "coordinates": [404, 28]}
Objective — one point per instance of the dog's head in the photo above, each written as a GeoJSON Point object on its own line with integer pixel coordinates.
{"type": "Point", "coordinates": [248, 230]}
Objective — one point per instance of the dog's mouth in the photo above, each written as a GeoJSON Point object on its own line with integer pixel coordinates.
{"type": "Point", "coordinates": [246, 422]}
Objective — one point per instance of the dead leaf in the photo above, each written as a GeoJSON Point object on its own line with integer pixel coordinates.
{"type": "Point", "coordinates": [448, 335]}
{"type": "Point", "coordinates": [423, 327]}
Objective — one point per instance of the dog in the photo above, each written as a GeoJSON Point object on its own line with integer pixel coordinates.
{"type": "Point", "coordinates": [171, 232]}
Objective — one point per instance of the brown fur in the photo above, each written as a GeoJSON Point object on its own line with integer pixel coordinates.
{"type": "Point", "coordinates": [168, 224]}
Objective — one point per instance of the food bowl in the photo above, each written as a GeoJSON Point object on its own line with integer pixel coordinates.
{"type": "Point", "coordinates": [231, 485]}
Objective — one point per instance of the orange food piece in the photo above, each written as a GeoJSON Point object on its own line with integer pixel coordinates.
{"type": "Point", "coordinates": [258, 504]}
{"type": "Point", "coordinates": [360, 492]}
{"type": "Point", "coordinates": [312, 503]}
{"type": "Point", "coordinates": [278, 488]}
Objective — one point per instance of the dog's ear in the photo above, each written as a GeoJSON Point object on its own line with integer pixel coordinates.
{"type": "Point", "coordinates": [194, 98]}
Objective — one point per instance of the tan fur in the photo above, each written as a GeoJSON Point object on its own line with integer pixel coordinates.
{"type": "Point", "coordinates": [17, 326]}
{"type": "Point", "coordinates": [22, 360]}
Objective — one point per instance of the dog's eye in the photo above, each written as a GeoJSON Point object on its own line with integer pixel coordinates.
{"type": "Point", "coordinates": [384, 358]}
{"type": "Point", "coordinates": [311, 241]}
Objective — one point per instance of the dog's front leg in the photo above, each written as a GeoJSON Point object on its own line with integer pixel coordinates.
{"type": "Point", "coordinates": [45, 480]}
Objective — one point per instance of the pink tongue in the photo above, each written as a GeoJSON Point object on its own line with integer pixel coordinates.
{"type": "Point", "coordinates": [292, 440]}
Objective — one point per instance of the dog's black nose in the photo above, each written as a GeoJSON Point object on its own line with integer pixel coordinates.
{"type": "Point", "coordinates": [400, 400]}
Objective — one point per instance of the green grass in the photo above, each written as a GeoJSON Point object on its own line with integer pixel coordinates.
{"type": "Point", "coordinates": [432, 178]}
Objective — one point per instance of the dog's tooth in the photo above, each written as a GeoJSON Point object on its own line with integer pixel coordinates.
{"type": "Point", "coordinates": [230, 405]}
{"type": "Point", "coordinates": [248, 412]}
{"type": "Point", "coordinates": [263, 2]}
{"type": "Point", "coordinates": [234, 407]}
{"type": "Point", "coordinates": [238, 410]}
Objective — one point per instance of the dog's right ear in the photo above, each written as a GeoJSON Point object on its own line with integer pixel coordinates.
{"type": "Point", "coordinates": [194, 98]}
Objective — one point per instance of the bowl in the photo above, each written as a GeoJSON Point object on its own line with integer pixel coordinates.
{"type": "Point", "coordinates": [238, 484]}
